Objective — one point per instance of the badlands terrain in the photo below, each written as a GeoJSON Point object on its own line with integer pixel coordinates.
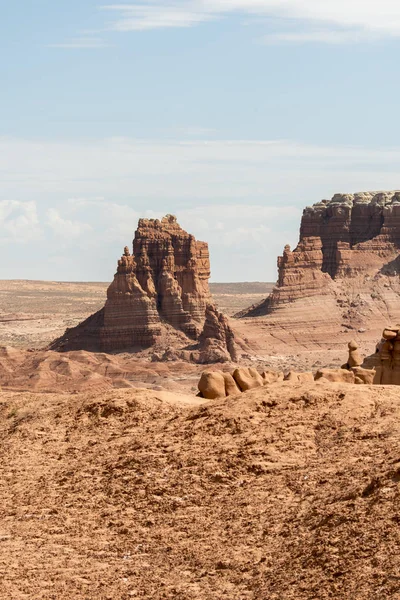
{"type": "Point", "coordinates": [119, 481]}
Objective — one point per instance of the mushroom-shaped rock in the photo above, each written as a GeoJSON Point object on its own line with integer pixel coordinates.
{"type": "Point", "coordinates": [389, 333]}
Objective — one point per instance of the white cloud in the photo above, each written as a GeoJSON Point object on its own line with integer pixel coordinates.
{"type": "Point", "coordinates": [249, 232]}
{"type": "Point", "coordinates": [382, 17]}
{"type": "Point", "coordinates": [137, 172]}
{"type": "Point", "coordinates": [244, 197]}
{"type": "Point", "coordinates": [65, 228]}
{"type": "Point", "coordinates": [117, 221]}
{"type": "Point", "coordinates": [239, 225]}
{"type": "Point", "coordinates": [19, 222]}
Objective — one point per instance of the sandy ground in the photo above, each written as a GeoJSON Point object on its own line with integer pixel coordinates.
{"type": "Point", "coordinates": [34, 313]}
{"type": "Point", "coordinates": [289, 492]}
{"type": "Point", "coordinates": [117, 482]}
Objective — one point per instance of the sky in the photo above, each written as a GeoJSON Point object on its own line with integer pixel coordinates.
{"type": "Point", "coordinates": [232, 114]}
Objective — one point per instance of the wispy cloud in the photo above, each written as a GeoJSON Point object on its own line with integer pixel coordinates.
{"type": "Point", "coordinates": [155, 16]}
{"type": "Point", "coordinates": [242, 196]}
{"type": "Point", "coordinates": [356, 18]}
{"type": "Point", "coordinates": [336, 36]}
{"type": "Point", "coordinates": [81, 42]}
{"type": "Point", "coordinates": [176, 170]}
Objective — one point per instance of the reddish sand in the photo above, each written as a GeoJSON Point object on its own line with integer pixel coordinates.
{"type": "Point", "coordinates": [286, 492]}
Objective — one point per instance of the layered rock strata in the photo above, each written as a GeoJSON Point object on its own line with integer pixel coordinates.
{"type": "Point", "coordinates": [347, 237]}
{"type": "Point", "coordinates": [163, 283]}
{"type": "Point", "coordinates": [217, 340]}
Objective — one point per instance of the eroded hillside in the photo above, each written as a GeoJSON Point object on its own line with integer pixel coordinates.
{"type": "Point", "coordinates": [285, 492]}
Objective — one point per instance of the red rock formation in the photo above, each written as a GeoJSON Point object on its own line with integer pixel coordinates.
{"type": "Point", "coordinates": [164, 281]}
{"type": "Point", "coordinates": [386, 360]}
{"type": "Point", "coordinates": [217, 340]}
{"type": "Point", "coordinates": [350, 236]}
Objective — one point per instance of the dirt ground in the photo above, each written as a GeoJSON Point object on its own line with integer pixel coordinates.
{"type": "Point", "coordinates": [117, 482]}
{"type": "Point", "coordinates": [288, 492]}
{"type": "Point", "coordinates": [34, 313]}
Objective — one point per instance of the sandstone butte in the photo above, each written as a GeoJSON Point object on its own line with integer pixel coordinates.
{"type": "Point", "coordinates": [344, 270]}
{"type": "Point", "coordinates": [159, 291]}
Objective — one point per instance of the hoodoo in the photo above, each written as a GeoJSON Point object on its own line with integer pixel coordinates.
{"type": "Point", "coordinates": [164, 282]}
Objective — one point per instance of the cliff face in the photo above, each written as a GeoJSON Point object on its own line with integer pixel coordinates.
{"type": "Point", "coordinates": [164, 282]}
{"type": "Point", "coordinates": [357, 232]}
{"type": "Point", "coordinates": [173, 269]}
{"type": "Point", "coordinates": [348, 237]}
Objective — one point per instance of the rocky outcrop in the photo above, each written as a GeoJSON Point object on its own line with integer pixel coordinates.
{"type": "Point", "coordinates": [163, 283]}
{"type": "Point", "coordinates": [217, 340]}
{"type": "Point", "coordinates": [348, 237]}
{"type": "Point", "coordinates": [219, 384]}
{"type": "Point", "coordinates": [386, 359]}
{"type": "Point", "coordinates": [173, 269]}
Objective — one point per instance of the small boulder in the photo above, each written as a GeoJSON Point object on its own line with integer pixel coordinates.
{"type": "Point", "coordinates": [245, 380]}
{"type": "Point", "coordinates": [256, 375]}
{"type": "Point", "coordinates": [272, 376]}
{"type": "Point", "coordinates": [299, 377]}
{"type": "Point", "coordinates": [212, 385]}
{"type": "Point", "coordinates": [335, 375]}
{"type": "Point", "coordinates": [231, 387]}
{"type": "Point", "coordinates": [364, 376]}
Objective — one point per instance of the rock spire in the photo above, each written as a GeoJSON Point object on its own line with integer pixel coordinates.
{"type": "Point", "coordinates": [164, 282]}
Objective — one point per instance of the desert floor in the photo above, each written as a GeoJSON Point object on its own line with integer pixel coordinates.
{"type": "Point", "coordinates": [287, 492]}
{"type": "Point", "coordinates": [117, 482]}
{"type": "Point", "coordinates": [33, 313]}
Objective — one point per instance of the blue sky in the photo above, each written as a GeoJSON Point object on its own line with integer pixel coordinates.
{"type": "Point", "coordinates": [232, 114]}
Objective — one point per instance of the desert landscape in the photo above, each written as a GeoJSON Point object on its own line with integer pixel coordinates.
{"type": "Point", "coordinates": [163, 437]}
{"type": "Point", "coordinates": [34, 313]}
{"type": "Point", "coordinates": [199, 300]}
